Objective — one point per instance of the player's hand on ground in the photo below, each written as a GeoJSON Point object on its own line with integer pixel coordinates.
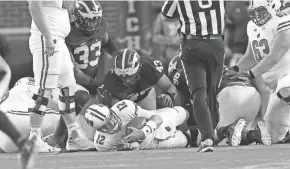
{"type": "Point", "coordinates": [129, 146]}
{"type": "Point", "coordinates": [50, 47]}
{"type": "Point", "coordinates": [164, 100]}
{"type": "Point", "coordinates": [135, 135]}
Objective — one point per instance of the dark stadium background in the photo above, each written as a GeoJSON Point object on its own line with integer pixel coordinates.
{"type": "Point", "coordinates": [15, 27]}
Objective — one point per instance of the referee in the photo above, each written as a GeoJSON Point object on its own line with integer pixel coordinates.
{"type": "Point", "coordinates": [202, 55]}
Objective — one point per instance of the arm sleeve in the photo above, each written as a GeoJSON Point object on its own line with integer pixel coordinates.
{"type": "Point", "coordinates": [283, 23]}
{"type": "Point", "coordinates": [169, 8]}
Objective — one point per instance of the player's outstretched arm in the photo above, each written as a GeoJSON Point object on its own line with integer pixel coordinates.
{"type": "Point", "coordinates": [37, 15]}
{"type": "Point", "coordinates": [248, 61]}
{"type": "Point", "coordinates": [169, 89]}
{"type": "Point", "coordinates": [5, 73]}
{"type": "Point", "coordinates": [169, 11]}
{"type": "Point", "coordinates": [109, 45]}
{"type": "Point", "coordinates": [280, 46]}
{"type": "Point", "coordinates": [151, 125]}
{"type": "Point", "coordinates": [81, 77]}
{"type": "Point", "coordinates": [106, 63]}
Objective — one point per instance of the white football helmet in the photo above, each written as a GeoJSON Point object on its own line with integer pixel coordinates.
{"type": "Point", "coordinates": [27, 81]}
{"type": "Point", "coordinates": [261, 11]}
{"type": "Point", "coordinates": [103, 119]}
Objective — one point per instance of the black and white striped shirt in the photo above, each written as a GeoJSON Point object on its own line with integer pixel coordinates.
{"type": "Point", "coordinates": [198, 17]}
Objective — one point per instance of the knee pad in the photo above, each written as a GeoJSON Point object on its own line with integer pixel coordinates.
{"type": "Point", "coordinates": [66, 101]}
{"type": "Point", "coordinates": [81, 98]}
{"type": "Point", "coordinates": [41, 101]}
{"type": "Point", "coordinates": [284, 94]}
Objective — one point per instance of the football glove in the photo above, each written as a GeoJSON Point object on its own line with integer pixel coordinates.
{"type": "Point", "coordinates": [164, 100]}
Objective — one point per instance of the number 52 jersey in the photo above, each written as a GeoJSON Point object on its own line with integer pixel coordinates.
{"type": "Point", "coordinates": [262, 38]}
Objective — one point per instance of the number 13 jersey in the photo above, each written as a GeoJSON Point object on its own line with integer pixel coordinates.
{"type": "Point", "coordinates": [86, 49]}
{"type": "Point", "coordinates": [261, 39]}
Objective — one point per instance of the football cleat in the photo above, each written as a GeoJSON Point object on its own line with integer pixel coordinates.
{"type": "Point", "coordinates": [206, 146]}
{"type": "Point", "coordinates": [265, 136]}
{"type": "Point", "coordinates": [41, 146]}
{"type": "Point", "coordinates": [78, 142]}
{"type": "Point", "coordinates": [54, 141]}
{"type": "Point", "coordinates": [236, 132]}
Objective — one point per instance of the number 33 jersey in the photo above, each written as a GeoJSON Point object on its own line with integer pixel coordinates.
{"type": "Point", "coordinates": [262, 38]}
{"type": "Point", "coordinates": [85, 49]}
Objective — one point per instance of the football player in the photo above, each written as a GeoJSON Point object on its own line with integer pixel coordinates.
{"type": "Point", "coordinates": [158, 132]}
{"type": "Point", "coordinates": [87, 42]}
{"type": "Point", "coordinates": [53, 70]}
{"type": "Point", "coordinates": [20, 95]}
{"type": "Point", "coordinates": [134, 78]}
{"type": "Point", "coordinates": [239, 105]}
{"type": "Point", "coordinates": [25, 147]}
{"type": "Point", "coordinates": [268, 58]}
{"type": "Point", "coordinates": [230, 97]}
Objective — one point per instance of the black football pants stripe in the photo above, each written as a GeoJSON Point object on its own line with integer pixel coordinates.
{"type": "Point", "coordinates": [45, 65]}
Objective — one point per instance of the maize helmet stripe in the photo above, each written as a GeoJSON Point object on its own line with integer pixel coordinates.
{"type": "Point", "coordinates": [124, 59]}
{"type": "Point", "coordinates": [97, 114]}
{"type": "Point", "coordinates": [92, 9]}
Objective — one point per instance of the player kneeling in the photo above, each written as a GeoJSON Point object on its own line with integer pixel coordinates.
{"type": "Point", "coordinates": [110, 125]}
{"type": "Point", "coordinates": [239, 104]}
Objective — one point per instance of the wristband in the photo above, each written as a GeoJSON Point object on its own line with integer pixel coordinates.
{"type": "Point", "coordinates": [236, 68]}
{"type": "Point", "coordinates": [252, 76]}
{"type": "Point", "coordinates": [149, 127]}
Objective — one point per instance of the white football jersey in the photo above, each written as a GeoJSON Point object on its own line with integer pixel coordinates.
{"type": "Point", "coordinates": [19, 99]}
{"type": "Point", "coordinates": [261, 39]}
{"type": "Point", "coordinates": [126, 110]}
{"type": "Point", "coordinates": [56, 18]}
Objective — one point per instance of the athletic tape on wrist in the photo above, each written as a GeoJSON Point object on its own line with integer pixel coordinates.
{"type": "Point", "coordinates": [149, 127]}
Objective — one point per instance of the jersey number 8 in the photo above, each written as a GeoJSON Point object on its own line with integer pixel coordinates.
{"type": "Point", "coordinates": [88, 55]}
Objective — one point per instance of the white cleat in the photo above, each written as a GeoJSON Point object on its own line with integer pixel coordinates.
{"type": "Point", "coordinates": [78, 142]}
{"type": "Point", "coordinates": [265, 136]}
{"type": "Point", "coordinates": [43, 147]}
{"type": "Point", "coordinates": [236, 132]}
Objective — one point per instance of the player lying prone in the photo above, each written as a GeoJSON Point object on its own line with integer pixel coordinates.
{"type": "Point", "coordinates": [126, 126]}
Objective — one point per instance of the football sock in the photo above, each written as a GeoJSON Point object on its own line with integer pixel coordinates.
{"type": "Point", "coordinates": [71, 127]}
{"type": "Point", "coordinates": [80, 101]}
{"type": "Point", "coordinates": [8, 128]}
{"type": "Point", "coordinates": [222, 132]}
{"type": "Point", "coordinates": [61, 128]}
{"type": "Point", "coordinates": [250, 138]}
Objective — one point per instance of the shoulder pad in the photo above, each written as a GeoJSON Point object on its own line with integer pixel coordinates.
{"type": "Point", "coordinates": [103, 28]}
{"type": "Point", "coordinates": [154, 63]}
{"type": "Point", "coordinates": [283, 23]}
